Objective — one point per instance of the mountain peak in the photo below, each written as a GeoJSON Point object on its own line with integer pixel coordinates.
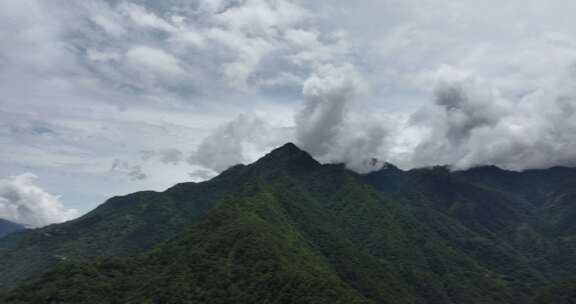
{"type": "Point", "coordinates": [289, 150]}
{"type": "Point", "coordinates": [288, 156]}
{"type": "Point", "coordinates": [389, 167]}
{"type": "Point", "coordinates": [288, 146]}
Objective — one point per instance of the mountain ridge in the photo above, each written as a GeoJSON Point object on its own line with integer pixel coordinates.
{"type": "Point", "coordinates": [391, 236]}
{"type": "Point", "coordinates": [8, 227]}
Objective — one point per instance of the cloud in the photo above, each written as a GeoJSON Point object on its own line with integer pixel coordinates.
{"type": "Point", "coordinates": [165, 156]}
{"type": "Point", "coordinates": [202, 174]}
{"type": "Point", "coordinates": [241, 140]}
{"type": "Point", "coordinates": [327, 95]}
{"type": "Point", "coordinates": [155, 61]}
{"type": "Point", "coordinates": [86, 82]}
{"type": "Point", "coordinates": [329, 128]}
{"type": "Point", "coordinates": [134, 172]}
{"type": "Point", "coordinates": [22, 201]}
{"type": "Point", "coordinates": [171, 156]}
{"type": "Point", "coordinates": [143, 18]}
{"type": "Point", "coordinates": [473, 122]}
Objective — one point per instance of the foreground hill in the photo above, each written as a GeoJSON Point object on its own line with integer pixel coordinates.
{"type": "Point", "coordinates": [7, 227]}
{"type": "Point", "coordinates": [287, 229]}
{"type": "Point", "coordinates": [122, 226]}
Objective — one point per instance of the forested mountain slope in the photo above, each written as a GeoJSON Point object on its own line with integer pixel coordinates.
{"type": "Point", "coordinates": [287, 229]}
{"type": "Point", "coordinates": [8, 227]}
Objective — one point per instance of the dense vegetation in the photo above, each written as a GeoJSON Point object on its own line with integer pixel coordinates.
{"type": "Point", "coordinates": [121, 226]}
{"type": "Point", "coordinates": [564, 293]}
{"type": "Point", "coordinates": [7, 227]}
{"type": "Point", "coordinates": [289, 230]}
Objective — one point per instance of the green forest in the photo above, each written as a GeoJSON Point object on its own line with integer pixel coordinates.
{"type": "Point", "coordinates": [287, 229]}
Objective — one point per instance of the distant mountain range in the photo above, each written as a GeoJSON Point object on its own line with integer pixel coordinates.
{"type": "Point", "coordinates": [8, 227]}
{"type": "Point", "coordinates": [287, 229]}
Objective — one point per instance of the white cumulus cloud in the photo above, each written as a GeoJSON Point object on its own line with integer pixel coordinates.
{"type": "Point", "coordinates": [23, 201]}
{"type": "Point", "coordinates": [241, 140]}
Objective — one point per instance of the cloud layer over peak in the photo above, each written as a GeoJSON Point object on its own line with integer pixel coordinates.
{"type": "Point", "coordinates": [114, 96]}
{"type": "Point", "coordinates": [475, 122]}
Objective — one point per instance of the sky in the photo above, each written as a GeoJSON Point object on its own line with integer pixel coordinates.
{"type": "Point", "coordinates": [106, 97]}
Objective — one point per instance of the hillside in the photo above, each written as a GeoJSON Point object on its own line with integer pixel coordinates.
{"type": "Point", "coordinates": [121, 226]}
{"type": "Point", "coordinates": [287, 229]}
{"type": "Point", "coordinates": [7, 227]}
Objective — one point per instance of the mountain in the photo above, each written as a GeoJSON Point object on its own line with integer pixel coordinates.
{"type": "Point", "coordinates": [127, 225]}
{"type": "Point", "coordinates": [480, 208]}
{"type": "Point", "coordinates": [564, 293]}
{"type": "Point", "coordinates": [287, 229]}
{"type": "Point", "coordinates": [7, 227]}
{"type": "Point", "coordinates": [530, 210]}
{"type": "Point", "coordinates": [122, 226]}
{"type": "Point", "coordinates": [533, 186]}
